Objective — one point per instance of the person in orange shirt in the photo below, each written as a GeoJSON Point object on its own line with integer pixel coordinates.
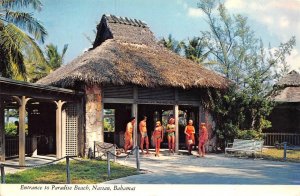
{"type": "Point", "coordinates": [190, 136]}
{"type": "Point", "coordinates": [157, 137]}
{"type": "Point", "coordinates": [128, 134]}
{"type": "Point", "coordinates": [203, 137]}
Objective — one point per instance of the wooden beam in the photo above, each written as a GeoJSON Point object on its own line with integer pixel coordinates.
{"type": "Point", "coordinates": [38, 94]}
{"type": "Point", "coordinates": [134, 112]}
{"type": "Point", "coordinates": [22, 140]}
{"type": "Point", "coordinates": [63, 133]}
{"type": "Point", "coordinates": [176, 115]}
{"type": "Point", "coordinates": [117, 100]}
{"type": "Point", "coordinates": [2, 131]}
{"type": "Point", "coordinates": [150, 101]}
{"type": "Point", "coordinates": [200, 115]}
{"type": "Point", "coordinates": [59, 105]}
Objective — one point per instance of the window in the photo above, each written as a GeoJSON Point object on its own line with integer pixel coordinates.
{"type": "Point", "coordinates": [109, 120]}
{"type": "Point", "coordinates": [166, 115]}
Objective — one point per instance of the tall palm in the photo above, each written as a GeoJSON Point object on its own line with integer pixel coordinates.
{"type": "Point", "coordinates": [19, 32]}
{"type": "Point", "coordinates": [54, 60]}
{"type": "Point", "coordinates": [195, 50]}
{"type": "Point", "coordinates": [171, 44]}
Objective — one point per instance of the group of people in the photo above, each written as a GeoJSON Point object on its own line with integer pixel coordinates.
{"type": "Point", "coordinates": [158, 134]}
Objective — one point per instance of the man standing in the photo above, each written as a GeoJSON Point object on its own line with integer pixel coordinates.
{"type": "Point", "coordinates": [144, 135]}
{"type": "Point", "coordinates": [128, 134]}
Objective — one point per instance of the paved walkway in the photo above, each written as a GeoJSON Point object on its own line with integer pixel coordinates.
{"type": "Point", "coordinates": [213, 169]}
{"type": "Point", "coordinates": [28, 161]}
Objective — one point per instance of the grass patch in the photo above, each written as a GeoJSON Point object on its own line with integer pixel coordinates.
{"type": "Point", "coordinates": [89, 172]}
{"type": "Point", "coordinates": [277, 154]}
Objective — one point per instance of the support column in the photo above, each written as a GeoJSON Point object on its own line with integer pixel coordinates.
{"type": "Point", "coordinates": [199, 117]}
{"type": "Point", "coordinates": [63, 133]}
{"type": "Point", "coordinates": [2, 132]}
{"type": "Point", "coordinates": [59, 105]}
{"type": "Point", "coordinates": [93, 117]}
{"type": "Point", "coordinates": [135, 114]}
{"type": "Point", "coordinates": [22, 141]}
{"type": "Point", "coordinates": [176, 115]}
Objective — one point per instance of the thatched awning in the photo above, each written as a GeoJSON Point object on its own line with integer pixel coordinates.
{"type": "Point", "coordinates": [288, 94]}
{"type": "Point", "coordinates": [288, 88]}
{"type": "Point", "coordinates": [291, 79]}
{"type": "Point", "coordinates": [133, 59]}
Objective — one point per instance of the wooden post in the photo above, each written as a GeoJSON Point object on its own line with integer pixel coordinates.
{"type": "Point", "coordinates": [68, 170]}
{"type": "Point", "coordinates": [22, 115]}
{"type": "Point", "coordinates": [284, 150]}
{"type": "Point", "coordinates": [108, 163]}
{"type": "Point", "coordinates": [115, 152]}
{"type": "Point", "coordinates": [135, 114]}
{"type": "Point", "coordinates": [2, 174]}
{"type": "Point", "coordinates": [137, 157]}
{"type": "Point", "coordinates": [176, 115]}
{"type": "Point", "coordinates": [59, 105]}
{"type": "Point", "coordinates": [200, 121]}
{"type": "Point", "coordinates": [63, 133]}
{"type": "Point", "coordinates": [94, 149]}
{"type": "Point", "coordinates": [2, 132]}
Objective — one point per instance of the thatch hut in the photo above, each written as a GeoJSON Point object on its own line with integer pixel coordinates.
{"type": "Point", "coordinates": [128, 72]}
{"type": "Point", "coordinates": [285, 116]}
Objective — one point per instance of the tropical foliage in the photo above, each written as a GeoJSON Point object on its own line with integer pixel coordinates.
{"type": "Point", "coordinates": [19, 32]}
{"type": "Point", "coordinates": [172, 44]}
{"type": "Point", "coordinates": [231, 48]}
{"type": "Point", "coordinates": [54, 60]}
{"type": "Point", "coordinates": [193, 49]}
{"type": "Point", "coordinates": [242, 58]}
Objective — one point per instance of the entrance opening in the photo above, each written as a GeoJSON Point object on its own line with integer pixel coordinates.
{"type": "Point", "coordinates": [115, 117]}
{"type": "Point", "coordinates": [41, 125]}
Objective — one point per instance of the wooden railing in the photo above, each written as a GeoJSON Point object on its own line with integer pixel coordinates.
{"type": "Point", "coordinates": [68, 178]}
{"type": "Point", "coordinates": [271, 139]}
{"type": "Point", "coordinates": [12, 146]}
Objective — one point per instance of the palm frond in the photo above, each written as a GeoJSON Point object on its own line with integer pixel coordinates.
{"type": "Point", "coordinates": [15, 39]}
{"type": "Point", "coordinates": [11, 4]}
{"type": "Point", "coordinates": [27, 22]}
{"type": "Point", "coordinates": [64, 50]}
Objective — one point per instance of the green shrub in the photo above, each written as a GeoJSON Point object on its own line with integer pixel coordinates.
{"type": "Point", "coordinates": [250, 134]}
{"type": "Point", "coordinates": [11, 129]}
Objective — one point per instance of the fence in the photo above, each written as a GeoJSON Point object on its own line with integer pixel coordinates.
{"type": "Point", "coordinates": [271, 139]}
{"type": "Point", "coordinates": [111, 151]}
{"type": "Point", "coordinates": [3, 165]}
{"type": "Point", "coordinates": [134, 150]}
{"type": "Point", "coordinates": [68, 180]}
{"type": "Point", "coordinates": [101, 148]}
{"type": "Point", "coordinates": [12, 146]}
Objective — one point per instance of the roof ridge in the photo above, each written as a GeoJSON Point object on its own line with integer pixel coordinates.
{"type": "Point", "coordinates": [125, 20]}
{"type": "Point", "coordinates": [290, 79]}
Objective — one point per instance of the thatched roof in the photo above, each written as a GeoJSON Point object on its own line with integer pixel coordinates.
{"type": "Point", "coordinates": [291, 79]}
{"type": "Point", "coordinates": [288, 88]}
{"type": "Point", "coordinates": [125, 51]}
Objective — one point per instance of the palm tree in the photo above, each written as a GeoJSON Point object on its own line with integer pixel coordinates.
{"type": "Point", "coordinates": [171, 44]}
{"type": "Point", "coordinates": [53, 58]}
{"type": "Point", "coordinates": [16, 45]}
{"type": "Point", "coordinates": [195, 50]}
{"type": "Point", "coordinates": [53, 61]}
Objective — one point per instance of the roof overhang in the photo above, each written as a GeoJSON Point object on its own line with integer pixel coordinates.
{"type": "Point", "coordinates": [10, 87]}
